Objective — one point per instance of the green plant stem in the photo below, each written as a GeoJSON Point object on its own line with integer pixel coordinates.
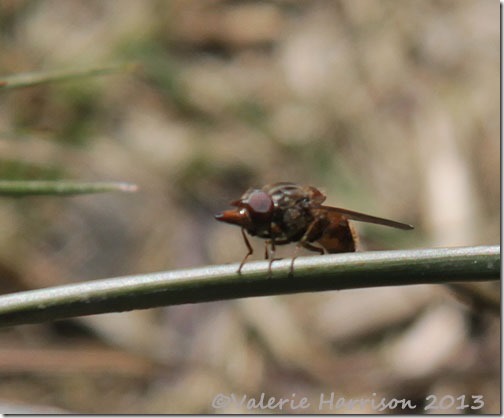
{"type": "Point", "coordinates": [311, 274]}
{"type": "Point", "coordinates": [17, 81]}
{"type": "Point", "coordinates": [18, 188]}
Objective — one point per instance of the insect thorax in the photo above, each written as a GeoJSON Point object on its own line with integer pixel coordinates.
{"type": "Point", "coordinates": [292, 215]}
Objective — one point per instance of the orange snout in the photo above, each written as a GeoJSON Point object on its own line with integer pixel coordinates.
{"type": "Point", "coordinates": [234, 216]}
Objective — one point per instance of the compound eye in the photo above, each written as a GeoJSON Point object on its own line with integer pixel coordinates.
{"type": "Point", "coordinates": [260, 204]}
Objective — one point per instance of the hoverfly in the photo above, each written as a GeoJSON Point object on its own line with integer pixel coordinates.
{"type": "Point", "coordinates": [282, 213]}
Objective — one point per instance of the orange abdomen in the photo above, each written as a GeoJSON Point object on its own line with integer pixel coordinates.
{"type": "Point", "coordinates": [339, 237]}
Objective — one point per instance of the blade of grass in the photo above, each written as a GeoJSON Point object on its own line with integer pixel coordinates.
{"type": "Point", "coordinates": [17, 81]}
{"type": "Point", "coordinates": [13, 188]}
{"type": "Point", "coordinates": [311, 274]}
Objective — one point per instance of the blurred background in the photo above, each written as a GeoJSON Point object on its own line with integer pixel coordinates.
{"type": "Point", "coordinates": [391, 108]}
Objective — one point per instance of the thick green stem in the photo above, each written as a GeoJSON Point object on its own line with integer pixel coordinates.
{"type": "Point", "coordinates": [311, 274]}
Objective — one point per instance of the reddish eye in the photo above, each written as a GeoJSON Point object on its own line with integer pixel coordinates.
{"type": "Point", "coordinates": [259, 203]}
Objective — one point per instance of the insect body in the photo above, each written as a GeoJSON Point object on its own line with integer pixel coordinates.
{"type": "Point", "coordinates": [282, 213]}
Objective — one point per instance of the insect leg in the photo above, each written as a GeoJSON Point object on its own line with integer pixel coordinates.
{"type": "Point", "coordinates": [311, 247]}
{"type": "Point", "coordinates": [308, 246]}
{"type": "Point", "coordinates": [250, 250]}
{"type": "Point", "coordinates": [304, 242]}
{"type": "Point", "coordinates": [291, 268]}
{"type": "Point", "coordinates": [272, 257]}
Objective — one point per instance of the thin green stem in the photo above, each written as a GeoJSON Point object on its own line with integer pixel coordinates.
{"type": "Point", "coordinates": [18, 188]}
{"type": "Point", "coordinates": [17, 81]}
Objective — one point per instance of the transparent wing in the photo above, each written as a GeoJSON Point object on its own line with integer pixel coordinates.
{"type": "Point", "coordinates": [362, 217]}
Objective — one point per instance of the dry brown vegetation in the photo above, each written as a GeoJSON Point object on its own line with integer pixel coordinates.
{"type": "Point", "coordinates": [390, 107]}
